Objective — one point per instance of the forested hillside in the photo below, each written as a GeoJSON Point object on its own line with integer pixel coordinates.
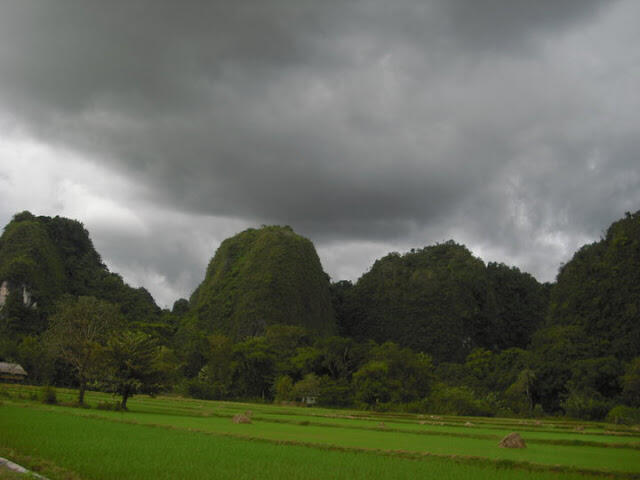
{"type": "Point", "coordinates": [262, 277]}
{"type": "Point", "coordinates": [443, 301]}
{"type": "Point", "coordinates": [592, 333]}
{"type": "Point", "coordinates": [44, 261]}
{"type": "Point", "coordinates": [432, 330]}
{"type": "Point", "coordinates": [50, 257]}
{"type": "Point", "coordinates": [598, 291]}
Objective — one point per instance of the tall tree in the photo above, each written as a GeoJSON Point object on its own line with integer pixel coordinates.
{"type": "Point", "coordinates": [78, 332]}
{"type": "Point", "coordinates": [631, 383]}
{"type": "Point", "coordinates": [135, 365]}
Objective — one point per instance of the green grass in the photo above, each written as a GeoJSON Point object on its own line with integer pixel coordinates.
{"type": "Point", "coordinates": [578, 456]}
{"type": "Point", "coordinates": [100, 449]}
{"type": "Point", "coordinates": [170, 437]}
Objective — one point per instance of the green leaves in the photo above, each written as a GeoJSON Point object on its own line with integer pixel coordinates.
{"type": "Point", "coordinates": [260, 278]}
{"type": "Point", "coordinates": [134, 364]}
{"type": "Point", "coordinates": [599, 289]}
{"type": "Point", "coordinates": [440, 300]}
{"type": "Point", "coordinates": [78, 333]}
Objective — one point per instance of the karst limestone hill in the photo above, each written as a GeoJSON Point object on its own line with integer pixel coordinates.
{"type": "Point", "coordinates": [43, 258]}
{"type": "Point", "coordinates": [597, 293]}
{"type": "Point", "coordinates": [262, 277]}
{"type": "Point", "coordinates": [443, 301]}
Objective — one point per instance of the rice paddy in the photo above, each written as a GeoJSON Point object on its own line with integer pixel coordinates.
{"type": "Point", "coordinates": [173, 437]}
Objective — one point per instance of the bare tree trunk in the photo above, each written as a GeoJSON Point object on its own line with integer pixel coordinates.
{"type": "Point", "coordinates": [125, 396]}
{"type": "Point", "coordinates": [83, 387]}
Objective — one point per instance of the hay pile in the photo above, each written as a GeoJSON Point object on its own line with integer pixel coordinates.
{"type": "Point", "coordinates": [240, 418]}
{"type": "Point", "coordinates": [513, 440]}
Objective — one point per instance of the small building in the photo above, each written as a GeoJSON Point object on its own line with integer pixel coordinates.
{"type": "Point", "coordinates": [12, 372]}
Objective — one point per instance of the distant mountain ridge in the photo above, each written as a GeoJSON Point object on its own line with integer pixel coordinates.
{"type": "Point", "coordinates": [440, 299]}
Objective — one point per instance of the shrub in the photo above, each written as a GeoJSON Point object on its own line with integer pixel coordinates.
{"type": "Point", "coordinates": [335, 393]}
{"type": "Point", "coordinates": [622, 414]}
{"type": "Point", "coordinates": [115, 406]}
{"type": "Point", "coordinates": [284, 389]}
{"type": "Point", "coordinates": [448, 400]}
{"type": "Point", "coordinates": [197, 388]}
{"type": "Point", "coordinates": [74, 404]}
{"type": "Point", "coordinates": [418, 406]}
{"type": "Point", "coordinates": [49, 395]}
{"type": "Point", "coordinates": [538, 411]}
{"type": "Point", "coordinates": [585, 406]}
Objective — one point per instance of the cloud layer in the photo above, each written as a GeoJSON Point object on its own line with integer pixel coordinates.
{"type": "Point", "coordinates": [367, 126]}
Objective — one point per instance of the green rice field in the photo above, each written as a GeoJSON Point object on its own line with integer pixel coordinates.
{"type": "Point", "coordinates": [172, 437]}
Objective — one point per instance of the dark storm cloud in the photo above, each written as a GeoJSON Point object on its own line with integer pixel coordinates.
{"type": "Point", "coordinates": [503, 24]}
{"type": "Point", "coordinates": [391, 121]}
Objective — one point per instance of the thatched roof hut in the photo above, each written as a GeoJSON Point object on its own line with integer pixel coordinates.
{"type": "Point", "coordinates": [12, 371]}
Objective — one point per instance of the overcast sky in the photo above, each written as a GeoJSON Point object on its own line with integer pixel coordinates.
{"type": "Point", "coordinates": [512, 126]}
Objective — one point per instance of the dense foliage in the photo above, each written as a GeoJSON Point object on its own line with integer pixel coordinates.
{"type": "Point", "coordinates": [443, 301]}
{"type": "Point", "coordinates": [50, 257]}
{"type": "Point", "coordinates": [262, 277]}
{"type": "Point", "coordinates": [47, 264]}
{"type": "Point", "coordinates": [598, 291]}
{"type": "Point", "coordinates": [433, 330]}
{"type": "Point", "coordinates": [78, 333]}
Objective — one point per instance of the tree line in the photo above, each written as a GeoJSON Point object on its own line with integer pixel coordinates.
{"type": "Point", "coordinates": [432, 330]}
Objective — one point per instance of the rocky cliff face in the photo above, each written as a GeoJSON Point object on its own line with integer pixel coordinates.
{"type": "Point", "coordinates": [27, 298]}
{"type": "Point", "coordinates": [4, 292]}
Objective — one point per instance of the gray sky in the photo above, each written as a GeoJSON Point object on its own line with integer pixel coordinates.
{"type": "Point", "coordinates": [511, 126]}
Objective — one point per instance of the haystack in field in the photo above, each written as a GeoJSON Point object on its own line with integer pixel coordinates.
{"type": "Point", "coordinates": [513, 440]}
{"type": "Point", "coordinates": [240, 418]}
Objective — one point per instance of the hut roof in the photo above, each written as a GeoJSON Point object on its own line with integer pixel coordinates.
{"type": "Point", "coordinates": [12, 368]}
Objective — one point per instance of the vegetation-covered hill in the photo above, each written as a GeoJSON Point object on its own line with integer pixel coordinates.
{"type": "Point", "coordinates": [443, 301]}
{"type": "Point", "coordinates": [262, 277]}
{"type": "Point", "coordinates": [598, 291]}
{"type": "Point", "coordinates": [433, 330]}
{"type": "Point", "coordinates": [592, 334]}
{"type": "Point", "coordinates": [44, 258]}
